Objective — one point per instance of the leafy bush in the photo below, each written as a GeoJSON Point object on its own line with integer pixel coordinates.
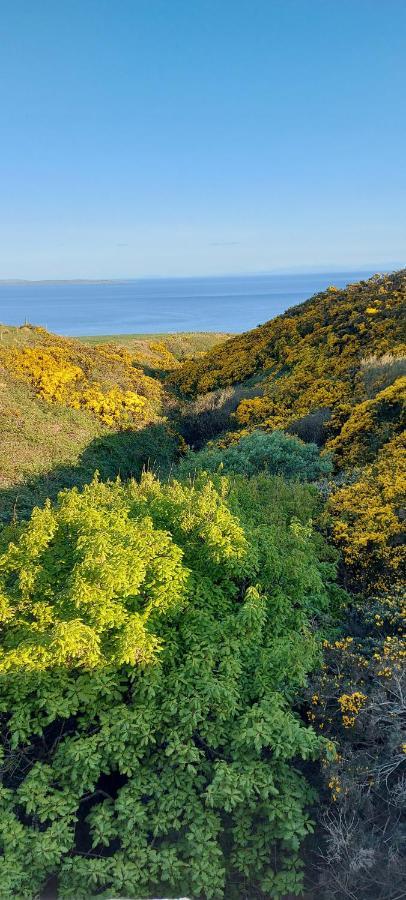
{"type": "Point", "coordinates": [204, 418]}
{"type": "Point", "coordinates": [276, 453]}
{"type": "Point", "coordinates": [154, 637]}
{"type": "Point", "coordinates": [312, 427]}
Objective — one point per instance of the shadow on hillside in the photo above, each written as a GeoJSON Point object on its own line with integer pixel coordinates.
{"type": "Point", "coordinates": [123, 454]}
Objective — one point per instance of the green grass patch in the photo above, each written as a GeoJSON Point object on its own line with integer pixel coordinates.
{"type": "Point", "coordinates": [182, 344]}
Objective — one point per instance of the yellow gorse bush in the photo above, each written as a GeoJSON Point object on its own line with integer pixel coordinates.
{"type": "Point", "coordinates": [351, 705]}
{"type": "Point", "coordinates": [370, 425]}
{"type": "Point", "coordinates": [367, 517]}
{"type": "Point", "coordinates": [103, 380]}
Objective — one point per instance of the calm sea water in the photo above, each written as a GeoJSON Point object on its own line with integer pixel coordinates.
{"type": "Point", "coordinates": [161, 305]}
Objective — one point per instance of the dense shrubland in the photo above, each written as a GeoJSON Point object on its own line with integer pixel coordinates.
{"type": "Point", "coordinates": [199, 669]}
{"type": "Point", "coordinates": [332, 372]}
{"type": "Point", "coordinates": [68, 409]}
{"type": "Point", "coordinates": [311, 355]}
{"type": "Point", "coordinates": [368, 517]}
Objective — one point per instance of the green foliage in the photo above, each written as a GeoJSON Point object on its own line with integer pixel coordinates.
{"type": "Point", "coordinates": [154, 637]}
{"type": "Point", "coordinates": [276, 453]}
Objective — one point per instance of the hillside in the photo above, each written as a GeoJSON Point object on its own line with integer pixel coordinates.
{"type": "Point", "coordinates": [314, 359]}
{"type": "Point", "coordinates": [67, 410]}
{"type": "Point", "coordinates": [331, 371]}
{"type": "Point", "coordinates": [203, 664]}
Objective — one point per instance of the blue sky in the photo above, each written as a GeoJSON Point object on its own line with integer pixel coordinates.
{"type": "Point", "coordinates": [182, 137]}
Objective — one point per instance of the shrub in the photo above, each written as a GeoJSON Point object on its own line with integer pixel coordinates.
{"type": "Point", "coordinates": [358, 701]}
{"type": "Point", "coordinates": [370, 425]}
{"type": "Point", "coordinates": [103, 380]}
{"type": "Point", "coordinates": [312, 428]}
{"type": "Point", "coordinates": [368, 519]}
{"type": "Point", "coordinates": [276, 453]}
{"type": "Point", "coordinates": [309, 357]}
{"type": "Point", "coordinates": [153, 639]}
{"type": "Point", "coordinates": [204, 418]}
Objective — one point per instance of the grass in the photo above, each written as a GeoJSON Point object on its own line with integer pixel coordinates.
{"type": "Point", "coordinates": [183, 344]}
{"type": "Point", "coordinates": [45, 447]}
{"type": "Point", "coordinates": [35, 437]}
{"type": "Point", "coordinates": [17, 336]}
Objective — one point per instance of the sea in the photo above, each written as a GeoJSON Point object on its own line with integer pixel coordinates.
{"type": "Point", "coordinates": [161, 305]}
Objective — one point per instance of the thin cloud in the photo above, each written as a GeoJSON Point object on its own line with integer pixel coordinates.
{"type": "Point", "coordinates": [224, 243]}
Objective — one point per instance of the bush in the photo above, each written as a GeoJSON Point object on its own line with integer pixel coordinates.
{"type": "Point", "coordinates": [276, 453]}
{"type": "Point", "coordinates": [204, 418]}
{"type": "Point", "coordinates": [358, 701]}
{"type": "Point", "coordinates": [367, 519]}
{"type": "Point", "coordinates": [102, 380]}
{"type": "Point", "coordinates": [312, 427]}
{"type": "Point", "coordinates": [154, 637]}
{"type": "Point", "coordinates": [371, 425]}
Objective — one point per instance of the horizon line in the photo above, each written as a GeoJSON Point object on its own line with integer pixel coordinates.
{"type": "Point", "coordinates": [296, 270]}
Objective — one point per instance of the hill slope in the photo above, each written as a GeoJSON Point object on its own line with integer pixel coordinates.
{"type": "Point", "coordinates": [313, 358]}
{"type": "Point", "coordinates": [67, 410]}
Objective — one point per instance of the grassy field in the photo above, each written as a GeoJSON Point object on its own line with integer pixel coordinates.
{"type": "Point", "coordinates": [183, 344]}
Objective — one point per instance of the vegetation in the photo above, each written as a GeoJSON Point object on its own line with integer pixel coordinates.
{"type": "Point", "coordinates": [201, 667]}
{"type": "Point", "coordinates": [332, 372]}
{"type": "Point", "coordinates": [163, 352]}
{"type": "Point", "coordinates": [104, 381]}
{"type": "Point", "coordinates": [310, 358]}
{"type": "Point", "coordinates": [370, 425]}
{"type": "Point", "coordinates": [67, 410]}
{"type": "Point", "coordinates": [276, 453]}
{"type": "Point", "coordinates": [358, 699]}
{"type": "Point", "coordinates": [154, 638]}
{"type": "Point", "coordinates": [367, 518]}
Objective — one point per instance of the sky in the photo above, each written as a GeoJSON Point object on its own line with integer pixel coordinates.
{"type": "Point", "coordinates": [195, 137]}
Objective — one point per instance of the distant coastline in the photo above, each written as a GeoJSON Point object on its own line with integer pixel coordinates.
{"type": "Point", "coordinates": [66, 280]}
{"type": "Point", "coordinates": [288, 272]}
